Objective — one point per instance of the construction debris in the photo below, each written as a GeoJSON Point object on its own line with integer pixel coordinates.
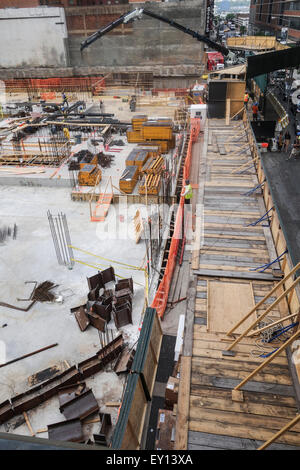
{"type": "Point", "coordinates": [124, 361]}
{"type": "Point", "coordinates": [105, 160]}
{"type": "Point", "coordinates": [28, 355]}
{"type": "Point", "coordinates": [102, 302]}
{"type": "Point", "coordinates": [106, 425]}
{"type": "Point", "coordinates": [73, 375]}
{"type": "Point", "coordinates": [70, 430]}
{"type": "Point", "coordinates": [80, 406]}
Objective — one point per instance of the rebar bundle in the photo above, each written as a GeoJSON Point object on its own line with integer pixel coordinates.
{"type": "Point", "coordinates": [61, 239]}
{"type": "Point", "coordinates": [105, 160]}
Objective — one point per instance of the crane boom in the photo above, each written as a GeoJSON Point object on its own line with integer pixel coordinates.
{"type": "Point", "coordinates": [137, 14]}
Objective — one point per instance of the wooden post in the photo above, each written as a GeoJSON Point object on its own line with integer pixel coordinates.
{"type": "Point", "coordinates": [282, 431]}
{"type": "Point", "coordinates": [288, 317]}
{"type": "Point", "coordinates": [268, 359]}
{"type": "Point", "coordinates": [236, 114]}
{"type": "Point", "coordinates": [227, 116]}
{"type": "Point", "coordinates": [28, 423]}
{"type": "Point", "coordinates": [264, 299]}
{"type": "Point", "coordinates": [292, 286]}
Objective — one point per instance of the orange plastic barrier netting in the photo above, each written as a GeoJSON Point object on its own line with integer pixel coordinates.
{"type": "Point", "coordinates": [67, 83]}
{"type": "Point", "coordinates": [162, 293]}
{"type": "Point", "coordinates": [161, 296]}
{"type": "Point", "coordinates": [48, 96]}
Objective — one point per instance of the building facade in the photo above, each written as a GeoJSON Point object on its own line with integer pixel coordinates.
{"type": "Point", "coordinates": [242, 19]}
{"type": "Point", "coordinates": [272, 16]}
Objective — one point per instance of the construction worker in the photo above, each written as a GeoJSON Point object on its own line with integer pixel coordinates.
{"type": "Point", "coordinates": [255, 111]}
{"type": "Point", "coordinates": [187, 192]}
{"type": "Point", "coordinates": [66, 133]}
{"type": "Point", "coordinates": [246, 99]}
{"type": "Point", "coordinates": [65, 99]}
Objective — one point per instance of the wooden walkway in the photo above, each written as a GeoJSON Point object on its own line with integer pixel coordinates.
{"type": "Point", "coordinates": [224, 289]}
{"type": "Point", "coordinates": [228, 243]}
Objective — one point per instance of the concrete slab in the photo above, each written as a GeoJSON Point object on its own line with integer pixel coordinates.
{"type": "Point", "coordinates": [31, 257]}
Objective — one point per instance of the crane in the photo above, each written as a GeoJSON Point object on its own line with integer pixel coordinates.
{"type": "Point", "coordinates": [137, 14]}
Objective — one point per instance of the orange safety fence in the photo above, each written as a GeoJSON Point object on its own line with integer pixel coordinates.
{"type": "Point", "coordinates": [161, 296]}
{"type": "Point", "coordinates": [162, 293]}
{"type": "Point", "coordinates": [48, 96]}
{"type": "Point", "coordinates": [57, 83]}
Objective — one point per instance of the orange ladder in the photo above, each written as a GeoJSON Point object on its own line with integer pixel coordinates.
{"type": "Point", "coordinates": [102, 206]}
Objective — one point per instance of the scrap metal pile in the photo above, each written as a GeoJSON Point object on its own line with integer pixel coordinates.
{"type": "Point", "coordinates": [76, 401]}
{"type": "Point", "coordinates": [40, 293]}
{"type": "Point", "coordinates": [102, 302]}
{"type": "Point", "coordinates": [84, 156]}
{"type": "Point", "coordinates": [105, 160]}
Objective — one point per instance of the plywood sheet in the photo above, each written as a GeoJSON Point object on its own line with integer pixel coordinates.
{"type": "Point", "coordinates": [228, 303]}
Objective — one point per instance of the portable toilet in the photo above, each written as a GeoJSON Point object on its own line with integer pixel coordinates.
{"type": "Point", "coordinates": [199, 111]}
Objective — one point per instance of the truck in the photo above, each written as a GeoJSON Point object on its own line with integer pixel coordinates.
{"type": "Point", "coordinates": [215, 61]}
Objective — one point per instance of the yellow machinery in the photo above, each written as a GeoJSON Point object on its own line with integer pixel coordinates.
{"type": "Point", "coordinates": [89, 175]}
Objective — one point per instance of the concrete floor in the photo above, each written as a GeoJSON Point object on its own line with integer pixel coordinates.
{"type": "Point", "coordinates": [31, 257]}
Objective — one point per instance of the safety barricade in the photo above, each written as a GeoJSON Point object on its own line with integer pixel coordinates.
{"type": "Point", "coordinates": [162, 293]}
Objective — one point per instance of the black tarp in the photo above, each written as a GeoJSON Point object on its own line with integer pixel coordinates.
{"type": "Point", "coordinates": [271, 61]}
{"type": "Point", "coordinates": [217, 99]}
{"type": "Point", "coordinates": [263, 130]}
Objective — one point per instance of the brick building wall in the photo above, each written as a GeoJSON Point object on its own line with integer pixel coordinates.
{"type": "Point", "coordinates": [19, 3]}
{"type": "Point", "coordinates": [272, 16]}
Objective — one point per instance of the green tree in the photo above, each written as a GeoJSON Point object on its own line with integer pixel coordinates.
{"type": "Point", "coordinates": [230, 16]}
{"type": "Point", "coordinates": [243, 29]}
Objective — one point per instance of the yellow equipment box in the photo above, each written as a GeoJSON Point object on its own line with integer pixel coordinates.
{"type": "Point", "coordinates": [138, 121]}
{"type": "Point", "coordinates": [153, 130]}
{"type": "Point", "coordinates": [89, 175]}
{"type": "Point", "coordinates": [129, 179]}
{"type": "Point", "coordinates": [133, 136]}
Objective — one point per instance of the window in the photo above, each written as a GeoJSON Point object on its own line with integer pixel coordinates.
{"type": "Point", "coordinates": [260, 10]}
{"type": "Point", "coordinates": [294, 6]}
{"type": "Point", "coordinates": [270, 11]}
{"type": "Point", "coordinates": [294, 23]}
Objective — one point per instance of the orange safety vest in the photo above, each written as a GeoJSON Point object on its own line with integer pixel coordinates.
{"type": "Point", "coordinates": [246, 98]}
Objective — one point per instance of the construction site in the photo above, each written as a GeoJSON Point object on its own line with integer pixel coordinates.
{"type": "Point", "coordinates": [149, 243]}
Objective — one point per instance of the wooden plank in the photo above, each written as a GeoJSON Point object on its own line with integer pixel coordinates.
{"type": "Point", "coordinates": [231, 383]}
{"type": "Point", "coordinates": [215, 250]}
{"type": "Point", "coordinates": [219, 370]}
{"type": "Point", "coordinates": [249, 397]}
{"type": "Point", "coordinates": [189, 319]}
{"type": "Point", "coordinates": [226, 404]}
{"type": "Point", "coordinates": [239, 275]}
{"type": "Point", "coordinates": [273, 423]}
{"type": "Point", "coordinates": [217, 354]}
{"type": "Point", "coordinates": [200, 440]}
{"type": "Point", "coordinates": [228, 304]}
{"type": "Point", "coordinates": [183, 404]}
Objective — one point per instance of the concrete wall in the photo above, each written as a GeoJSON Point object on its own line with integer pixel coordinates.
{"type": "Point", "coordinates": [33, 37]}
{"type": "Point", "coordinates": [150, 42]}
